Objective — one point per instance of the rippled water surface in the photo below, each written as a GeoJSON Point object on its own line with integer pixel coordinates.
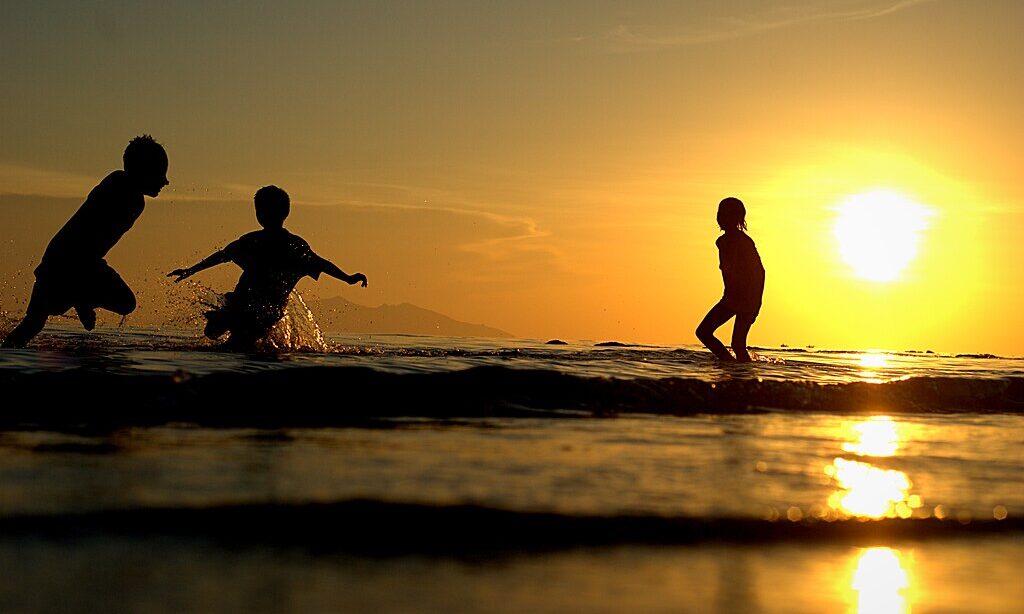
{"type": "Point", "coordinates": [810, 480]}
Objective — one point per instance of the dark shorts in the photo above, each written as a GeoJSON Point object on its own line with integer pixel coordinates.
{"type": "Point", "coordinates": [91, 285]}
{"type": "Point", "coordinates": [746, 309]}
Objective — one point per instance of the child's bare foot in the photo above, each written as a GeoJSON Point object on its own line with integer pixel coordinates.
{"type": "Point", "coordinates": [87, 316]}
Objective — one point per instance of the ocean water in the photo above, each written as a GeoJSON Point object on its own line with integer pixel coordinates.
{"type": "Point", "coordinates": [146, 470]}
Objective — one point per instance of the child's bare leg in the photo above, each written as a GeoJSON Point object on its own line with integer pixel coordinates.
{"type": "Point", "coordinates": [30, 325]}
{"type": "Point", "coordinates": [87, 316]}
{"type": "Point", "coordinates": [108, 291]}
{"type": "Point", "coordinates": [739, 336]}
{"type": "Point", "coordinates": [217, 323]}
{"type": "Point", "coordinates": [41, 304]}
{"type": "Point", "coordinates": [116, 297]}
{"type": "Point", "coordinates": [717, 316]}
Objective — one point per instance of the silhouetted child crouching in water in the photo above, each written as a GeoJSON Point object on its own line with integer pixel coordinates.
{"type": "Point", "coordinates": [743, 275]}
{"type": "Point", "coordinates": [272, 260]}
{"type": "Point", "coordinates": [73, 273]}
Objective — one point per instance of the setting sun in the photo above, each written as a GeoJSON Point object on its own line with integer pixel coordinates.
{"type": "Point", "coordinates": [878, 233]}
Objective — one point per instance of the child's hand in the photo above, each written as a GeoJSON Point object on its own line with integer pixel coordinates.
{"type": "Point", "coordinates": [359, 278]}
{"type": "Point", "coordinates": [181, 274]}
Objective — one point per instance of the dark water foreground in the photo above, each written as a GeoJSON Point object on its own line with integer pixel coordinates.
{"type": "Point", "coordinates": [88, 398]}
{"type": "Point", "coordinates": [142, 472]}
{"type": "Point", "coordinates": [174, 575]}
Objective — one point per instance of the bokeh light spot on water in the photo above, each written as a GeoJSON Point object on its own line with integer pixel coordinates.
{"type": "Point", "coordinates": [999, 512]}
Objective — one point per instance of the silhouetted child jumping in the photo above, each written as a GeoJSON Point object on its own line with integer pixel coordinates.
{"type": "Point", "coordinates": [272, 260]}
{"type": "Point", "coordinates": [743, 276]}
{"type": "Point", "coordinates": [73, 272]}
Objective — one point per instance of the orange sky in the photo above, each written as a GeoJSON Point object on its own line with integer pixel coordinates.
{"type": "Point", "coordinates": [552, 170]}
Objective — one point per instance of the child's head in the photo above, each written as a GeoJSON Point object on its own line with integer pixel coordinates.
{"type": "Point", "coordinates": [272, 206]}
{"type": "Point", "coordinates": [146, 162]}
{"type": "Point", "coordinates": [731, 214]}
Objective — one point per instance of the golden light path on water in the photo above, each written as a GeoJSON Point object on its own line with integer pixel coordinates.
{"type": "Point", "coordinates": [869, 492]}
{"type": "Point", "coordinates": [882, 577]}
{"type": "Point", "coordinates": [881, 582]}
{"type": "Point", "coordinates": [869, 362]}
{"type": "Point", "coordinates": [864, 490]}
{"type": "Point", "coordinates": [877, 436]}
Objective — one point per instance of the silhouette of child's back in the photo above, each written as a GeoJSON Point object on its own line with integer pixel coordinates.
{"type": "Point", "coordinates": [742, 271]}
{"type": "Point", "coordinates": [273, 261]}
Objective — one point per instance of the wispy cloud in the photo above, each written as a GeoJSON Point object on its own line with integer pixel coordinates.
{"type": "Point", "coordinates": [504, 240]}
{"type": "Point", "coordinates": [626, 37]}
{"type": "Point", "coordinates": [49, 183]}
{"type": "Point", "coordinates": [19, 179]}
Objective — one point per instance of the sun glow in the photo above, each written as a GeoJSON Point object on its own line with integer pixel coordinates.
{"type": "Point", "coordinates": [878, 233]}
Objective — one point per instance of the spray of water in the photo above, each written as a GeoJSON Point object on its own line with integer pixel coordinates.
{"type": "Point", "coordinates": [297, 331]}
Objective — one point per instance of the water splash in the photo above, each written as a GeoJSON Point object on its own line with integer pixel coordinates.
{"type": "Point", "coordinates": [297, 331]}
{"type": "Point", "coordinates": [7, 323]}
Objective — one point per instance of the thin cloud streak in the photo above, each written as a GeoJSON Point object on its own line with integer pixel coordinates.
{"type": "Point", "coordinates": [26, 181]}
{"type": "Point", "coordinates": [625, 37]}
{"type": "Point", "coordinates": [525, 232]}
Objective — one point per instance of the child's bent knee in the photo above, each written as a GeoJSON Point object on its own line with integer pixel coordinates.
{"type": "Point", "coordinates": [125, 306]}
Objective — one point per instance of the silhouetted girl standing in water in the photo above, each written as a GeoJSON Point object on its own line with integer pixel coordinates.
{"type": "Point", "coordinates": [743, 275]}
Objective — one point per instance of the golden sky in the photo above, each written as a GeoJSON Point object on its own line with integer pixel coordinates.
{"type": "Point", "coordinates": [551, 169]}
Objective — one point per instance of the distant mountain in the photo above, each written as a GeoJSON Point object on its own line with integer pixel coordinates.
{"type": "Point", "coordinates": [338, 315]}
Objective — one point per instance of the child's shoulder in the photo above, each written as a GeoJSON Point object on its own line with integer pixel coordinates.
{"type": "Point", "coordinates": [276, 240]}
{"type": "Point", "coordinates": [292, 236]}
{"type": "Point", "coordinates": [253, 236]}
{"type": "Point", "coordinates": [727, 239]}
{"type": "Point", "coordinates": [296, 241]}
{"type": "Point", "coordinates": [115, 183]}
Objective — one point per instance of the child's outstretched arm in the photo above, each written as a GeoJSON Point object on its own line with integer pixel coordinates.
{"type": "Point", "coordinates": [331, 269]}
{"type": "Point", "coordinates": [210, 261]}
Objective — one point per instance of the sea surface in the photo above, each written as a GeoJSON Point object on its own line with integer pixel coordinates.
{"type": "Point", "coordinates": [145, 470]}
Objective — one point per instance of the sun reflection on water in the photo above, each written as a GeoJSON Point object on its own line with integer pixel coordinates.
{"type": "Point", "coordinates": [870, 362]}
{"type": "Point", "coordinates": [867, 491]}
{"type": "Point", "coordinates": [877, 436]}
{"type": "Point", "coordinates": [881, 580]}
{"type": "Point", "coordinates": [873, 360]}
{"type": "Point", "coordinates": [870, 492]}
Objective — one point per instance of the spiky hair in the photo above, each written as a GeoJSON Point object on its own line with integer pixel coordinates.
{"type": "Point", "coordinates": [143, 151]}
